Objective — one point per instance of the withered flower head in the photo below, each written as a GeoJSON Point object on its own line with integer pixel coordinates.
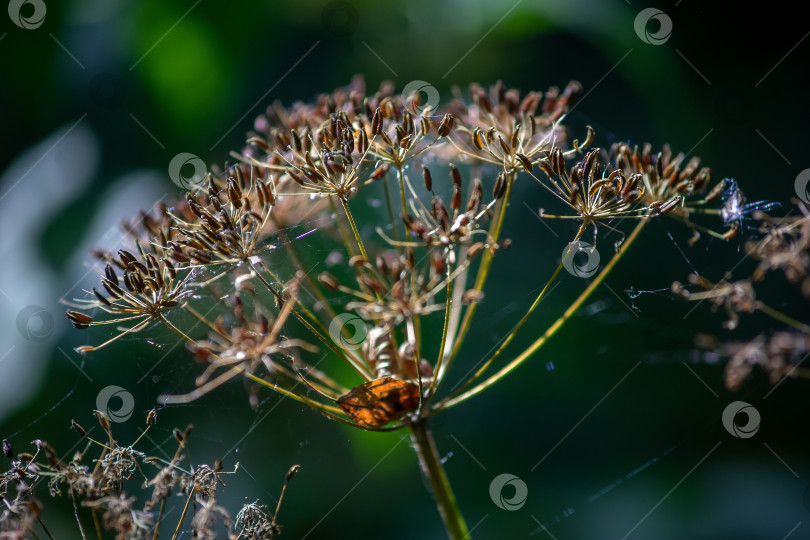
{"type": "Point", "coordinates": [146, 290]}
{"type": "Point", "coordinates": [224, 224]}
{"type": "Point", "coordinates": [429, 271]}
{"type": "Point", "coordinates": [501, 128]}
{"type": "Point", "coordinates": [735, 297]}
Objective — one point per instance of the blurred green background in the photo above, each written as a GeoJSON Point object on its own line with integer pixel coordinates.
{"type": "Point", "coordinates": [99, 98]}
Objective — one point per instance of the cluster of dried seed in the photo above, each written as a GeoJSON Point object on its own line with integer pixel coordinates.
{"type": "Point", "coordinates": [590, 191]}
{"type": "Point", "coordinates": [310, 157]}
{"type": "Point", "coordinates": [734, 297]}
{"type": "Point", "coordinates": [102, 485]}
{"type": "Point", "coordinates": [248, 342]}
{"type": "Point", "coordinates": [460, 224]}
{"type": "Point", "coordinates": [229, 221]}
{"type": "Point", "coordinates": [147, 288]}
{"type": "Point", "coordinates": [626, 182]}
{"type": "Point", "coordinates": [784, 246]}
{"type": "Point", "coordinates": [394, 289]}
{"type": "Point", "coordinates": [499, 127]}
{"type": "Point", "coordinates": [778, 355]}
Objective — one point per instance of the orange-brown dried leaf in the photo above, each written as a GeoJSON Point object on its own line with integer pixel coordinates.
{"type": "Point", "coordinates": [380, 401]}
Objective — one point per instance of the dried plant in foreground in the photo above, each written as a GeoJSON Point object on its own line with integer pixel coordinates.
{"type": "Point", "coordinates": [103, 485]}
{"type": "Point", "coordinates": [423, 261]}
{"type": "Point", "coordinates": [782, 247]}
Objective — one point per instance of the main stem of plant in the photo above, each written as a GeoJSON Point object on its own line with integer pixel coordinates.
{"type": "Point", "coordinates": [442, 491]}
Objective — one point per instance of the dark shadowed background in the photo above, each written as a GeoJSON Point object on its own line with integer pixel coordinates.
{"type": "Point", "coordinates": [614, 426]}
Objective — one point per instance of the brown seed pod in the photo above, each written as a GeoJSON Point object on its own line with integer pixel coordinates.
{"type": "Point", "coordinates": [79, 320]}
{"type": "Point", "coordinates": [234, 193]}
{"type": "Point", "coordinates": [526, 162]}
{"type": "Point", "coordinates": [446, 125]}
{"type": "Point", "coordinates": [478, 139]}
{"type": "Point", "coordinates": [428, 179]}
{"type": "Point", "coordinates": [77, 428]}
{"type": "Point", "coordinates": [455, 175]}
{"type": "Point", "coordinates": [376, 123]}
{"type": "Point", "coordinates": [110, 273]}
{"type": "Point", "coordinates": [358, 260]}
{"type": "Point", "coordinates": [500, 186]}
{"type": "Point", "coordinates": [329, 281]}
{"type": "Point", "coordinates": [101, 298]}
{"type": "Point", "coordinates": [379, 172]}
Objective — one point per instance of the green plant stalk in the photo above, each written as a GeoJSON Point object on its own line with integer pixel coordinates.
{"type": "Point", "coordinates": [429, 460]}
{"type": "Point", "coordinates": [345, 204]}
{"type": "Point", "coordinates": [511, 366]}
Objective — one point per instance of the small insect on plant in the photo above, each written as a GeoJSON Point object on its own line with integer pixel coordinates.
{"type": "Point", "coordinates": [422, 263]}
